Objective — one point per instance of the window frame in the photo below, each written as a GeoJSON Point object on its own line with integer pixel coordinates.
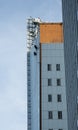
{"type": "Point", "coordinates": [58, 80]}
{"type": "Point", "coordinates": [49, 67]}
{"type": "Point", "coordinates": [60, 116]}
{"type": "Point", "coordinates": [57, 67]}
{"type": "Point", "coordinates": [49, 82]}
{"type": "Point", "coordinates": [50, 115]}
{"type": "Point", "coordinates": [59, 98]}
{"type": "Point", "coordinates": [49, 98]}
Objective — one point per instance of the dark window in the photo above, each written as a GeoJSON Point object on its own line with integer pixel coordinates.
{"type": "Point", "coordinates": [59, 114]}
{"type": "Point", "coordinates": [59, 98]}
{"type": "Point", "coordinates": [49, 98]}
{"type": "Point", "coordinates": [35, 53]}
{"type": "Point", "coordinates": [50, 115]}
{"type": "Point", "coordinates": [58, 67]}
{"type": "Point", "coordinates": [60, 129]}
{"type": "Point", "coordinates": [49, 82]}
{"type": "Point", "coordinates": [49, 67]}
{"type": "Point", "coordinates": [50, 129]}
{"type": "Point", "coordinates": [58, 82]}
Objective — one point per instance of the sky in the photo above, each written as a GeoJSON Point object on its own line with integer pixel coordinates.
{"type": "Point", "coordinates": [13, 83]}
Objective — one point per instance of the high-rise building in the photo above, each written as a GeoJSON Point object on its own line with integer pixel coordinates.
{"type": "Point", "coordinates": [46, 86]}
{"type": "Point", "coordinates": [51, 78]}
{"type": "Point", "coordinates": [70, 22]}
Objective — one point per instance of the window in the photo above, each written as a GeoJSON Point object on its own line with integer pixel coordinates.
{"type": "Point", "coordinates": [59, 114]}
{"type": "Point", "coordinates": [60, 129]}
{"type": "Point", "coordinates": [49, 98]}
{"type": "Point", "coordinates": [50, 129]}
{"type": "Point", "coordinates": [49, 67]}
{"type": "Point", "coordinates": [49, 82]}
{"type": "Point", "coordinates": [58, 82]}
{"type": "Point", "coordinates": [50, 115]}
{"type": "Point", "coordinates": [59, 98]}
{"type": "Point", "coordinates": [58, 67]}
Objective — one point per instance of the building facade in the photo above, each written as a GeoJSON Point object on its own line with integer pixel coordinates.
{"type": "Point", "coordinates": [51, 79]}
{"type": "Point", "coordinates": [53, 89]}
{"type": "Point", "coordinates": [70, 22]}
{"type": "Point", "coordinates": [33, 74]}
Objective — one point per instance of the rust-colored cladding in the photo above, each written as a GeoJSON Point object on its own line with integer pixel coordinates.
{"type": "Point", "coordinates": [51, 33]}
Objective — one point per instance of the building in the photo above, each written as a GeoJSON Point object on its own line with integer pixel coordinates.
{"type": "Point", "coordinates": [48, 93]}
{"type": "Point", "coordinates": [70, 22]}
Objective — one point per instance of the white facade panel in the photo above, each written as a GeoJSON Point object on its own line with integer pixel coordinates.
{"type": "Point", "coordinates": [53, 54]}
{"type": "Point", "coordinates": [33, 103]}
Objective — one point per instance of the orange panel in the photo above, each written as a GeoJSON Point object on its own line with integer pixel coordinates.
{"type": "Point", "coordinates": [51, 33]}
